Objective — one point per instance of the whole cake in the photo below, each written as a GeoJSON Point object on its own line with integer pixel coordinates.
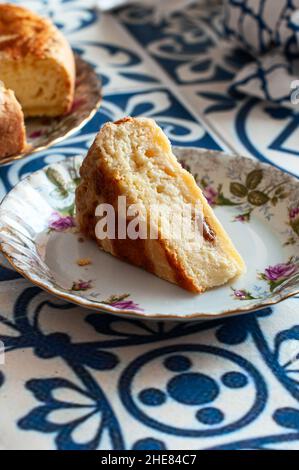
{"type": "Point", "coordinates": [36, 62]}
{"type": "Point", "coordinates": [12, 129]}
{"type": "Point", "coordinates": [133, 158]}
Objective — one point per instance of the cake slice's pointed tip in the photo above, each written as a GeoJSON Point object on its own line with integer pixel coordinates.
{"type": "Point", "coordinates": [132, 157]}
{"type": "Point", "coordinates": [123, 120]}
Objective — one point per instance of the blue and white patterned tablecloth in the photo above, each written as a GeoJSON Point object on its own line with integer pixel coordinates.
{"type": "Point", "coordinates": [73, 379]}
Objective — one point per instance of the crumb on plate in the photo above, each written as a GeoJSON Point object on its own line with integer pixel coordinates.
{"type": "Point", "coordinates": [83, 262]}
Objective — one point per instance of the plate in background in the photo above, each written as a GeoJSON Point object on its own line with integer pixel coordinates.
{"type": "Point", "coordinates": [43, 132]}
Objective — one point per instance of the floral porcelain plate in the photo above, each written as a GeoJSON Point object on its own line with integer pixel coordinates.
{"type": "Point", "coordinates": [44, 132]}
{"type": "Point", "coordinates": [257, 204]}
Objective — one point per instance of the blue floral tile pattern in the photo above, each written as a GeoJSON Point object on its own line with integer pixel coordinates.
{"type": "Point", "coordinates": [81, 380]}
{"type": "Point", "coordinates": [191, 49]}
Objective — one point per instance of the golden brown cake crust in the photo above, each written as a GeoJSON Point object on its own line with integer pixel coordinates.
{"type": "Point", "coordinates": [26, 36]}
{"type": "Point", "coordinates": [22, 32]}
{"type": "Point", "coordinates": [12, 129]}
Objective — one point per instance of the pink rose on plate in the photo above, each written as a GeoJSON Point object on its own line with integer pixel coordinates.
{"type": "Point", "coordinates": [294, 219]}
{"type": "Point", "coordinates": [242, 294]}
{"type": "Point", "coordinates": [125, 305]}
{"type": "Point", "coordinates": [280, 271]}
{"type": "Point", "coordinates": [77, 104]}
{"type": "Point", "coordinates": [81, 285]}
{"type": "Point", "coordinates": [242, 217]}
{"type": "Point", "coordinates": [211, 195]}
{"type": "Point", "coordinates": [60, 223]}
{"type": "Point", "coordinates": [294, 213]}
{"type": "Point", "coordinates": [36, 134]}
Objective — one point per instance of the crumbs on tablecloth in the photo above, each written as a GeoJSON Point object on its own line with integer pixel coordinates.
{"type": "Point", "coordinates": [83, 262]}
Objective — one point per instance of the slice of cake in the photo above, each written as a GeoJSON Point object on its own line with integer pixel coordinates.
{"type": "Point", "coordinates": [12, 129]}
{"type": "Point", "coordinates": [36, 62]}
{"type": "Point", "coordinates": [132, 158]}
